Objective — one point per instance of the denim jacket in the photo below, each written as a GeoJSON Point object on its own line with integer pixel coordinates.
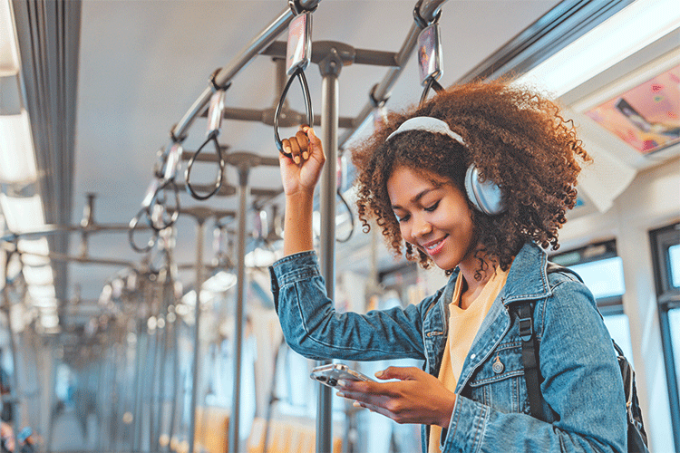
{"type": "Point", "coordinates": [582, 386]}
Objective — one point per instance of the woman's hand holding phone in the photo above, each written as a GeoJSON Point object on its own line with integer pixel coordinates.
{"type": "Point", "coordinates": [415, 396]}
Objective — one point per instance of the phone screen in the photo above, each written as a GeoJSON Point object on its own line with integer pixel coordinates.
{"type": "Point", "coordinates": [429, 53]}
{"type": "Point", "coordinates": [299, 43]}
{"type": "Point", "coordinates": [330, 374]}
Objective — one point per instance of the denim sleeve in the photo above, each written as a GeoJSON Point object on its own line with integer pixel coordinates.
{"type": "Point", "coordinates": [315, 330]}
{"type": "Point", "coordinates": [582, 385]}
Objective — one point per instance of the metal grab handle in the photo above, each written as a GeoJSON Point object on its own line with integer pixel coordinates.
{"type": "Point", "coordinates": [154, 202]}
{"type": "Point", "coordinates": [212, 137]}
{"type": "Point", "coordinates": [131, 231]}
{"type": "Point", "coordinates": [431, 83]}
{"type": "Point", "coordinates": [300, 74]}
{"type": "Point", "coordinates": [148, 204]}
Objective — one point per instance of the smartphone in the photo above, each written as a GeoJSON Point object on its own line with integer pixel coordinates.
{"type": "Point", "coordinates": [330, 374]}
{"type": "Point", "coordinates": [429, 54]}
{"type": "Point", "coordinates": [299, 48]}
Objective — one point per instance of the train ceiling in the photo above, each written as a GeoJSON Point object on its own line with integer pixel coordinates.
{"type": "Point", "coordinates": [126, 72]}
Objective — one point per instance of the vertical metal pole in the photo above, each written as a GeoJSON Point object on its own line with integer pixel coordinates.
{"type": "Point", "coordinates": [162, 348]}
{"type": "Point", "coordinates": [200, 231]}
{"type": "Point", "coordinates": [234, 423]}
{"type": "Point", "coordinates": [177, 394]}
{"type": "Point", "coordinates": [330, 69]}
{"type": "Point", "coordinates": [14, 388]}
{"type": "Point", "coordinates": [139, 378]}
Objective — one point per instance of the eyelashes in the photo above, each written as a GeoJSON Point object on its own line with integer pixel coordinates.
{"type": "Point", "coordinates": [431, 208]}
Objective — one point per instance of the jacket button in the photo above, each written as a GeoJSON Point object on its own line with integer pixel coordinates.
{"type": "Point", "coordinates": [498, 366]}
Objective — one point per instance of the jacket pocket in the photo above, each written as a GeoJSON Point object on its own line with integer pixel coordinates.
{"type": "Point", "coordinates": [499, 381]}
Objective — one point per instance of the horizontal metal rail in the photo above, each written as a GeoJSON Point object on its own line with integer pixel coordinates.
{"type": "Point", "coordinates": [227, 73]}
{"type": "Point", "coordinates": [428, 10]}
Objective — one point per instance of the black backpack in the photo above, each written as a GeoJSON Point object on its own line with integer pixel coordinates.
{"type": "Point", "coordinates": [637, 437]}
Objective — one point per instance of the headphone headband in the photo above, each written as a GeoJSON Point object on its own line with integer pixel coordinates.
{"type": "Point", "coordinates": [427, 124]}
{"type": "Point", "coordinates": [485, 196]}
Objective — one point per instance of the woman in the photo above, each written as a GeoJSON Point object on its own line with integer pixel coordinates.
{"type": "Point", "coordinates": [477, 181]}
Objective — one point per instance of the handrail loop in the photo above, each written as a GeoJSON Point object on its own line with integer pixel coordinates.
{"type": "Point", "coordinates": [420, 22]}
{"type": "Point", "coordinates": [131, 231]}
{"type": "Point", "coordinates": [176, 139]}
{"type": "Point", "coordinates": [377, 103]}
{"type": "Point", "coordinates": [212, 137]}
{"type": "Point", "coordinates": [300, 74]}
{"type": "Point", "coordinates": [215, 115]}
{"type": "Point", "coordinates": [431, 83]}
{"type": "Point", "coordinates": [146, 203]}
{"type": "Point", "coordinates": [297, 8]}
{"type": "Point", "coordinates": [165, 176]}
{"type": "Point", "coordinates": [213, 84]}
{"type": "Point", "coordinates": [429, 58]}
{"type": "Point", "coordinates": [157, 208]}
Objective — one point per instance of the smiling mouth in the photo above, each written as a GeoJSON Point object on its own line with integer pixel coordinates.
{"type": "Point", "coordinates": [433, 248]}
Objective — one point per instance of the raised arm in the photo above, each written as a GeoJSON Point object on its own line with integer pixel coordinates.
{"type": "Point", "coordinates": [300, 174]}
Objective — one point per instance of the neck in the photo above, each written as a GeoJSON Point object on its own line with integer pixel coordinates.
{"type": "Point", "coordinates": [469, 268]}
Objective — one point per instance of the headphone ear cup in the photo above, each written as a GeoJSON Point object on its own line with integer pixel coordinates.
{"type": "Point", "coordinates": [485, 196]}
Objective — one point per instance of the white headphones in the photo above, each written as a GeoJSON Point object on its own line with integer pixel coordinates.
{"type": "Point", "coordinates": [485, 196]}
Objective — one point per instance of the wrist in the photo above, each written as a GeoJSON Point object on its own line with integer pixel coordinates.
{"type": "Point", "coordinates": [445, 420]}
{"type": "Point", "coordinates": [300, 196]}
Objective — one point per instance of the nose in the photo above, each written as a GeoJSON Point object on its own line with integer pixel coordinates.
{"type": "Point", "coordinates": [421, 227]}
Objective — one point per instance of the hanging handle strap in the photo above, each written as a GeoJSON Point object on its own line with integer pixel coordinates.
{"type": "Point", "coordinates": [215, 115]}
{"type": "Point", "coordinates": [212, 138]}
{"type": "Point", "coordinates": [431, 83]}
{"type": "Point", "coordinates": [300, 74]}
{"type": "Point", "coordinates": [144, 212]}
{"type": "Point", "coordinates": [429, 58]}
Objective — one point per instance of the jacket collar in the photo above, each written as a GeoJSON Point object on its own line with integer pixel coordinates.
{"type": "Point", "coordinates": [528, 276]}
{"type": "Point", "coordinates": [527, 279]}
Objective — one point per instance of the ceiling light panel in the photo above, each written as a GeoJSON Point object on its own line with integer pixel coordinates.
{"type": "Point", "coordinates": [22, 213]}
{"type": "Point", "coordinates": [17, 157]}
{"type": "Point", "coordinates": [9, 56]}
{"type": "Point", "coordinates": [633, 28]}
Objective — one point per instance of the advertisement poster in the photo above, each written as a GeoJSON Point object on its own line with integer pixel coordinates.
{"type": "Point", "coordinates": [646, 117]}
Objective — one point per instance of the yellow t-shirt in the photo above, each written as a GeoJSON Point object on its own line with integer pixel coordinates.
{"type": "Point", "coordinates": [463, 327]}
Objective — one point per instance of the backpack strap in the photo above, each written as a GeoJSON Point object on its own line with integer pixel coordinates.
{"type": "Point", "coordinates": [532, 372]}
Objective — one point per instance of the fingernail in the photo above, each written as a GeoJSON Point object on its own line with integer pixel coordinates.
{"type": "Point", "coordinates": [296, 159]}
{"type": "Point", "coordinates": [379, 373]}
{"type": "Point", "coordinates": [305, 155]}
{"type": "Point", "coordinates": [356, 404]}
{"type": "Point", "coordinates": [340, 394]}
{"type": "Point", "coordinates": [286, 149]}
{"type": "Point", "coordinates": [342, 383]}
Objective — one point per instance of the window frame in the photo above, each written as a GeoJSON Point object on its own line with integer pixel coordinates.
{"type": "Point", "coordinates": [668, 298]}
{"type": "Point", "coordinates": [597, 251]}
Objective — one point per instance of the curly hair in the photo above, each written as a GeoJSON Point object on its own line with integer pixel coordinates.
{"type": "Point", "coordinates": [515, 138]}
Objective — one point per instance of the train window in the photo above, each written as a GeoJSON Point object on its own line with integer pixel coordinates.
{"type": "Point", "coordinates": [604, 277]}
{"type": "Point", "coordinates": [602, 271]}
{"type": "Point", "coordinates": [665, 245]}
{"type": "Point", "coordinates": [674, 262]}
